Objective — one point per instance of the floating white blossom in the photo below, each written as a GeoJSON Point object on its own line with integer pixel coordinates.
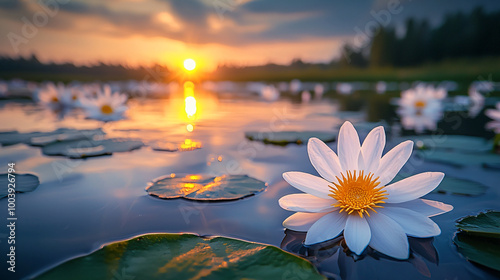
{"type": "Point", "coordinates": [105, 106]}
{"type": "Point", "coordinates": [355, 195]}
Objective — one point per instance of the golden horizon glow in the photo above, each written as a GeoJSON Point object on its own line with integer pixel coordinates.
{"type": "Point", "coordinates": [189, 64]}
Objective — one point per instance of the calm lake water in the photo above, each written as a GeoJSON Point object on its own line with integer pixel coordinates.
{"type": "Point", "coordinates": [99, 200]}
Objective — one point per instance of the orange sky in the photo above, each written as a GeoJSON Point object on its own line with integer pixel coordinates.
{"type": "Point", "coordinates": [138, 50]}
{"type": "Point", "coordinates": [240, 32]}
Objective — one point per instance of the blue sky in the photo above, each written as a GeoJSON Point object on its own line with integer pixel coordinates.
{"type": "Point", "coordinates": [212, 31]}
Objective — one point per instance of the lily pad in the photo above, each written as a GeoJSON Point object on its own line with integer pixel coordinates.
{"type": "Point", "coordinates": [460, 186]}
{"type": "Point", "coordinates": [187, 145]}
{"type": "Point", "coordinates": [461, 143]}
{"type": "Point", "coordinates": [64, 134]}
{"type": "Point", "coordinates": [91, 147]}
{"type": "Point", "coordinates": [481, 250]}
{"type": "Point", "coordinates": [487, 224]}
{"type": "Point", "coordinates": [204, 187]}
{"type": "Point", "coordinates": [8, 138]}
{"type": "Point", "coordinates": [44, 138]}
{"type": "Point", "coordinates": [451, 185]}
{"type": "Point", "coordinates": [283, 138]}
{"type": "Point", "coordinates": [185, 256]}
{"type": "Point", "coordinates": [23, 183]}
{"type": "Point", "coordinates": [494, 166]}
{"type": "Point", "coordinates": [460, 159]}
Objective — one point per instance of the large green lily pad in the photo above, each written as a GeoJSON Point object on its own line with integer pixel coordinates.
{"type": "Point", "coordinates": [460, 143]}
{"type": "Point", "coordinates": [458, 159]}
{"type": "Point", "coordinates": [479, 249]}
{"type": "Point", "coordinates": [185, 256]}
{"type": "Point", "coordinates": [44, 138]}
{"type": "Point", "coordinates": [487, 224]}
{"type": "Point", "coordinates": [91, 147]}
{"type": "Point", "coordinates": [283, 138]}
{"type": "Point", "coordinates": [23, 183]}
{"type": "Point", "coordinates": [205, 187]}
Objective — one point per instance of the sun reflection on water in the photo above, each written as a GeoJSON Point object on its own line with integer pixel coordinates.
{"type": "Point", "coordinates": [190, 106]}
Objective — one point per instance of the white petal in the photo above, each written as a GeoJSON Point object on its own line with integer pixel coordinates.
{"type": "Point", "coordinates": [107, 90]}
{"type": "Point", "coordinates": [308, 183]}
{"type": "Point", "coordinates": [413, 187]}
{"type": "Point", "coordinates": [326, 228]}
{"type": "Point", "coordinates": [357, 233]}
{"type": "Point", "coordinates": [393, 161]}
{"type": "Point", "coordinates": [372, 149]}
{"type": "Point", "coordinates": [302, 221]}
{"type": "Point", "coordinates": [494, 114]}
{"type": "Point", "coordinates": [324, 160]}
{"type": "Point", "coordinates": [388, 237]}
{"type": "Point", "coordinates": [303, 202]}
{"type": "Point", "coordinates": [348, 147]}
{"type": "Point", "coordinates": [413, 223]}
{"type": "Point", "coordinates": [425, 207]}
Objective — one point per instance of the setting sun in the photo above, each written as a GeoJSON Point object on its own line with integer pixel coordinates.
{"type": "Point", "coordinates": [189, 64]}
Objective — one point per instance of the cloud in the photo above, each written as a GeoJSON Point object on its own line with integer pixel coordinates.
{"type": "Point", "coordinates": [232, 24]}
{"type": "Point", "coordinates": [204, 21]}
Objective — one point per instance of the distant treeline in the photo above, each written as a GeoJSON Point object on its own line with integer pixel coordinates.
{"type": "Point", "coordinates": [459, 35]}
{"type": "Point", "coordinates": [32, 69]}
{"type": "Point", "coordinates": [463, 46]}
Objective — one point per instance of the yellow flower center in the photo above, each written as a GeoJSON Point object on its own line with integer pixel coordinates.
{"type": "Point", "coordinates": [74, 97]}
{"type": "Point", "coordinates": [358, 194]}
{"type": "Point", "coordinates": [106, 109]}
{"type": "Point", "coordinates": [54, 99]}
{"type": "Point", "coordinates": [420, 104]}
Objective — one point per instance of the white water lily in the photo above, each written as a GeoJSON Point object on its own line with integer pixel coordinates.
{"type": "Point", "coordinates": [380, 87]}
{"type": "Point", "coordinates": [269, 93]}
{"type": "Point", "coordinates": [319, 90]}
{"type": "Point", "coordinates": [4, 88]}
{"type": "Point", "coordinates": [105, 106]}
{"type": "Point", "coordinates": [59, 96]}
{"type": "Point", "coordinates": [344, 88]}
{"type": "Point", "coordinates": [295, 86]}
{"type": "Point", "coordinates": [354, 195]}
{"type": "Point", "coordinates": [422, 98]}
{"type": "Point", "coordinates": [305, 96]}
{"type": "Point", "coordinates": [420, 108]}
{"type": "Point", "coordinates": [495, 115]}
{"type": "Point", "coordinates": [419, 121]}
